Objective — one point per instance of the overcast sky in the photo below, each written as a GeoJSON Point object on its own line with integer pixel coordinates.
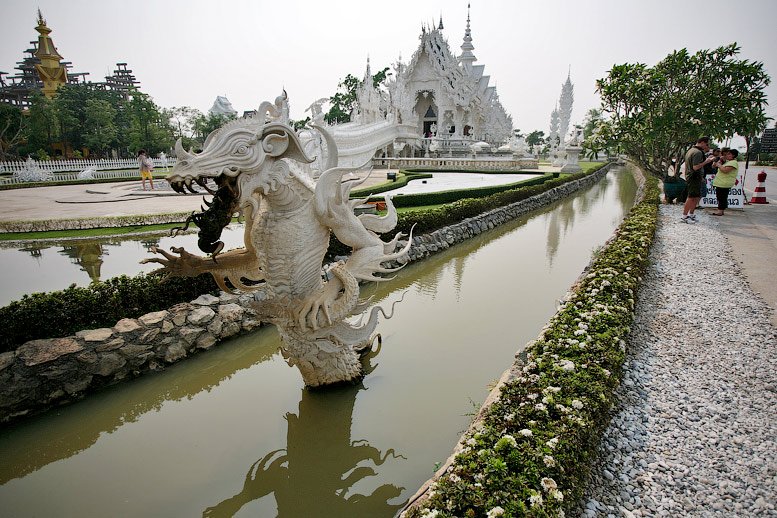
{"type": "Point", "coordinates": [186, 52]}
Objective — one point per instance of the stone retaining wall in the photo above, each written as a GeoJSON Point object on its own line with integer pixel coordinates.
{"type": "Point", "coordinates": [47, 225]}
{"type": "Point", "coordinates": [44, 373]}
{"type": "Point", "coordinates": [49, 372]}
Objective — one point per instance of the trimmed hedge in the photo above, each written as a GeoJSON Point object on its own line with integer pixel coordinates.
{"type": "Point", "coordinates": [531, 454]}
{"type": "Point", "coordinates": [102, 304]}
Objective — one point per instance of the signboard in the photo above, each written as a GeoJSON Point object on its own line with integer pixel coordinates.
{"type": "Point", "coordinates": [736, 196]}
{"type": "Point", "coordinates": [769, 141]}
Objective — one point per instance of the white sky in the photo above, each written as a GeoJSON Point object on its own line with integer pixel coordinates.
{"type": "Point", "coordinates": [186, 52]}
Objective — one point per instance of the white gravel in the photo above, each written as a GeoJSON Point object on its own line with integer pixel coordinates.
{"type": "Point", "coordinates": [694, 432]}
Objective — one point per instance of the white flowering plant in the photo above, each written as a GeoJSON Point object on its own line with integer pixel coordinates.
{"type": "Point", "coordinates": [534, 446]}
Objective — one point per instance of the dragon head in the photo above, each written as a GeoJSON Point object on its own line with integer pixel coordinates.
{"type": "Point", "coordinates": [243, 152]}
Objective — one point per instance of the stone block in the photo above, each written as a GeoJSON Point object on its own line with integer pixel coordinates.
{"type": "Point", "coordinates": [167, 326]}
{"type": "Point", "coordinates": [175, 352]}
{"type": "Point", "coordinates": [251, 323]}
{"type": "Point", "coordinates": [36, 352]}
{"type": "Point", "coordinates": [205, 300]}
{"type": "Point", "coordinates": [226, 298]}
{"type": "Point", "coordinates": [149, 335]}
{"type": "Point", "coordinates": [179, 318]}
{"type": "Point", "coordinates": [59, 371]}
{"type": "Point", "coordinates": [6, 359]}
{"type": "Point", "coordinates": [206, 341]}
{"type": "Point", "coordinates": [182, 307]}
{"type": "Point", "coordinates": [110, 346]}
{"type": "Point", "coordinates": [230, 312]}
{"type": "Point", "coordinates": [190, 334]}
{"type": "Point", "coordinates": [127, 325]}
{"type": "Point", "coordinates": [133, 350]}
{"type": "Point", "coordinates": [87, 357]}
{"type": "Point", "coordinates": [201, 315]}
{"type": "Point", "coordinates": [95, 335]}
{"type": "Point", "coordinates": [215, 325]}
{"type": "Point", "coordinates": [156, 317]}
{"type": "Point", "coordinates": [230, 329]}
{"type": "Point", "coordinates": [109, 364]}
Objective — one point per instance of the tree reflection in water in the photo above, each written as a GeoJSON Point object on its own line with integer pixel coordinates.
{"type": "Point", "coordinates": [314, 474]}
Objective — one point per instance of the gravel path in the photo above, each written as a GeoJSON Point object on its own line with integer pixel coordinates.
{"type": "Point", "coordinates": [695, 429]}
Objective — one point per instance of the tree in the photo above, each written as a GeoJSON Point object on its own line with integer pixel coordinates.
{"type": "Point", "coordinates": [99, 130]}
{"type": "Point", "coordinates": [535, 138]}
{"type": "Point", "coordinates": [344, 100]}
{"type": "Point", "coordinates": [43, 126]}
{"type": "Point", "coordinates": [183, 120]}
{"type": "Point", "coordinates": [149, 129]}
{"type": "Point", "coordinates": [12, 130]}
{"type": "Point", "coordinates": [657, 113]}
{"type": "Point", "coordinates": [204, 125]}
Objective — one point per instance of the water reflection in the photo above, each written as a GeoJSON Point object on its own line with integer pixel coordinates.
{"type": "Point", "coordinates": [87, 255]}
{"type": "Point", "coordinates": [320, 465]}
{"type": "Point", "coordinates": [72, 433]}
{"type": "Point", "coordinates": [45, 266]}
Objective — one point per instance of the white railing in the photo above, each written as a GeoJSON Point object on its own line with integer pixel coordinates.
{"type": "Point", "coordinates": [455, 164]}
{"type": "Point", "coordinates": [78, 165]}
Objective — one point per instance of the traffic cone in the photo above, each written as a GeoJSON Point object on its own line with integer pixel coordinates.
{"type": "Point", "coordinates": [759, 194]}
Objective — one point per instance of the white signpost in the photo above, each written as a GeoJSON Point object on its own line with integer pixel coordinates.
{"type": "Point", "coordinates": [736, 196]}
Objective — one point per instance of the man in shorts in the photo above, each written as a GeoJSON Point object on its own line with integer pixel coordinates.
{"type": "Point", "coordinates": [694, 174]}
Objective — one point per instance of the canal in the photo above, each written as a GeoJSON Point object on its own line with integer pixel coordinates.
{"type": "Point", "coordinates": [233, 432]}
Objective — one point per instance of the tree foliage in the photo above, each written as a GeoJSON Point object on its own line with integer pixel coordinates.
{"type": "Point", "coordinates": [535, 138]}
{"type": "Point", "coordinates": [656, 113]}
{"type": "Point", "coordinates": [83, 116]}
{"type": "Point", "coordinates": [344, 100]}
{"type": "Point", "coordinates": [12, 128]}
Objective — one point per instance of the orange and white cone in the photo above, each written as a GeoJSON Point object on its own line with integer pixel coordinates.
{"type": "Point", "coordinates": [759, 194]}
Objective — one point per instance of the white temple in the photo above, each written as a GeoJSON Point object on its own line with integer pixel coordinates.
{"type": "Point", "coordinates": [437, 101]}
{"type": "Point", "coordinates": [222, 106]}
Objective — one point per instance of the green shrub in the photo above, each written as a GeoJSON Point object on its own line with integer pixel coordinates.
{"type": "Point", "coordinates": [533, 451]}
{"type": "Point", "coordinates": [102, 304]}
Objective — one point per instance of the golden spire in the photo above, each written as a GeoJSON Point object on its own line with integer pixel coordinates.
{"type": "Point", "coordinates": [51, 71]}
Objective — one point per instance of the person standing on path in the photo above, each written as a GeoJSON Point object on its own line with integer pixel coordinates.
{"type": "Point", "coordinates": [146, 169]}
{"type": "Point", "coordinates": [725, 179]}
{"type": "Point", "coordinates": [694, 174]}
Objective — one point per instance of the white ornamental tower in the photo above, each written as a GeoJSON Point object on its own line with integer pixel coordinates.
{"type": "Point", "coordinates": [565, 108]}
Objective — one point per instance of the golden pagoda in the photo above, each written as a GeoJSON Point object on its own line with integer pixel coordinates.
{"type": "Point", "coordinates": [51, 70]}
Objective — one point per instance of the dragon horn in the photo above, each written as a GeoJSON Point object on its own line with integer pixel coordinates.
{"type": "Point", "coordinates": [180, 152]}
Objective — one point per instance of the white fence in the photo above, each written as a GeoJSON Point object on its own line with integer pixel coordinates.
{"type": "Point", "coordinates": [64, 166]}
{"type": "Point", "coordinates": [66, 170]}
{"type": "Point", "coordinates": [453, 164]}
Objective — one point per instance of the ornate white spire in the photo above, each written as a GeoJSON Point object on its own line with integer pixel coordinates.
{"type": "Point", "coordinates": [553, 126]}
{"type": "Point", "coordinates": [440, 27]}
{"type": "Point", "coordinates": [467, 57]}
{"type": "Point", "coordinates": [565, 106]}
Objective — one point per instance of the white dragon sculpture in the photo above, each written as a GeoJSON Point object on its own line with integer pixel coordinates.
{"type": "Point", "coordinates": [259, 167]}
